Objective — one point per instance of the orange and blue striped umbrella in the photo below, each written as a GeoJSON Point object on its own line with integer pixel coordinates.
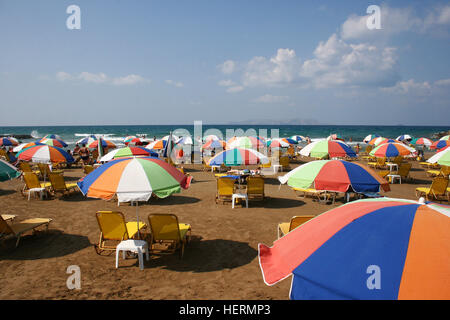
{"type": "Point", "coordinates": [389, 150]}
{"type": "Point", "coordinates": [105, 144]}
{"type": "Point", "coordinates": [53, 142]}
{"type": "Point", "coordinates": [367, 249]}
{"type": "Point", "coordinates": [8, 141]}
{"type": "Point", "coordinates": [439, 144]}
{"type": "Point", "coordinates": [45, 154]}
{"type": "Point", "coordinates": [157, 145]}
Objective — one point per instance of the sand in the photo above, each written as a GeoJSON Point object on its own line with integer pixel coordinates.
{"type": "Point", "coordinates": [220, 262]}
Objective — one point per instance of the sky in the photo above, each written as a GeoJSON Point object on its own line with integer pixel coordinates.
{"type": "Point", "coordinates": [224, 61]}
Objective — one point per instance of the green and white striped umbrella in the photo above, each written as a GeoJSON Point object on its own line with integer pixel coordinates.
{"type": "Point", "coordinates": [8, 171]}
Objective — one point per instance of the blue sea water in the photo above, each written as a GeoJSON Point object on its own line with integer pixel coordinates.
{"type": "Point", "coordinates": [116, 133]}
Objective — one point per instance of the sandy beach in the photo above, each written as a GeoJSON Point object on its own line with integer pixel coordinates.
{"type": "Point", "coordinates": [220, 262]}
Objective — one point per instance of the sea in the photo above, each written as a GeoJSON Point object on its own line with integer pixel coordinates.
{"type": "Point", "coordinates": [352, 134]}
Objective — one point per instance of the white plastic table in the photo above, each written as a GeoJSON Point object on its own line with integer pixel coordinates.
{"type": "Point", "coordinates": [135, 246]}
{"type": "Point", "coordinates": [392, 166]}
{"type": "Point", "coordinates": [239, 196]}
{"type": "Point", "coordinates": [277, 167]}
{"type": "Point", "coordinates": [34, 190]}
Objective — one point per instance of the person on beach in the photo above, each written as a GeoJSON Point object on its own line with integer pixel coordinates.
{"type": "Point", "coordinates": [84, 154]}
{"type": "Point", "coordinates": [419, 149]}
{"type": "Point", "coordinates": [76, 149]}
{"type": "Point", "coordinates": [358, 147]}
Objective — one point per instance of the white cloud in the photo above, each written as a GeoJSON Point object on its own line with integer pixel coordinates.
{"type": "Point", "coordinates": [101, 78]}
{"type": "Point", "coordinates": [228, 67]}
{"type": "Point", "coordinates": [235, 89]}
{"type": "Point", "coordinates": [174, 83]}
{"type": "Point", "coordinates": [443, 82]}
{"type": "Point", "coordinates": [395, 21]}
{"type": "Point", "coordinates": [410, 86]}
{"type": "Point", "coordinates": [226, 83]}
{"type": "Point", "coordinates": [268, 98]}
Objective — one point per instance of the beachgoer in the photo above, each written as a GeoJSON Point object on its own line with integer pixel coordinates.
{"type": "Point", "coordinates": [358, 147]}
{"type": "Point", "coordinates": [419, 149]}
{"type": "Point", "coordinates": [76, 149]}
{"type": "Point", "coordinates": [84, 154]}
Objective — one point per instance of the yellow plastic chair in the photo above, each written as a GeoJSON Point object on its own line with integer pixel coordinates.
{"type": "Point", "coordinates": [225, 189]}
{"type": "Point", "coordinates": [32, 185]}
{"type": "Point", "coordinates": [445, 172]}
{"type": "Point", "coordinates": [402, 173]}
{"type": "Point", "coordinates": [284, 161]}
{"type": "Point", "coordinates": [45, 170]}
{"type": "Point", "coordinates": [167, 234]}
{"type": "Point", "coordinates": [436, 191]}
{"type": "Point", "coordinates": [113, 228]}
{"type": "Point", "coordinates": [16, 230]}
{"type": "Point", "coordinates": [59, 185]}
{"type": "Point", "coordinates": [285, 227]}
{"type": "Point", "coordinates": [255, 188]}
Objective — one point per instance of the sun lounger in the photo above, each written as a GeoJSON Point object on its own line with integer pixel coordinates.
{"type": "Point", "coordinates": [113, 228]}
{"type": "Point", "coordinates": [285, 227]}
{"type": "Point", "coordinates": [402, 173]}
{"type": "Point", "coordinates": [33, 186]}
{"type": "Point", "coordinates": [167, 234]}
{"type": "Point", "coordinates": [25, 167]}
{"type": "Point", "coordinates": [225, 189]}
{"type": "Point", "coordinates": [437, 190]}
{"type": "Point", "coordinates": [8, 217]}
{"type": "Point", "coordinates": [16, 230]}
{"type": "Point", "coordinates": [59, 185]}
{"type": "Point", "coordinates": [316, 193]}
{"type": "Point", "coordinates": [255, 188]}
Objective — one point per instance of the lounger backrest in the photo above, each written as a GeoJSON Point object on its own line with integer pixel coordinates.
{"type": "Point", "coordinates": [255, 185]}
{"type": "Point", "coordinates": [112, 225]}
{"type": "Point", "coordinates": [284, 161]}
{"type": "Point", "coordinates": [164, 226]}
{"type": "Point", "coordinates": [44, 168]}
{"type": "Point", "coordinates": [369, 148]}
{"type": "Point", "coordinates": [4, 227]}
{"type": "Point", "coordinates": [88, 169]}
{"type": "Point", "coordinates": [381, 161]}
{"type": "Point", "coordinates": [25, 167]}
{"type": "Point", "coordinates": [57, 181]}
{"type": "Point", "coordinates": [439, 186]}
{"type": "Point", "coordinates": [445, 171]}
{"type": "Point", "coordinates": [225, 186]}
{"type": "Point", "coordinates": [403, 170]}
{"type": "Point", "coordinates": [299, 220]}
{"type": "Point", "coordinates": [31, 180]}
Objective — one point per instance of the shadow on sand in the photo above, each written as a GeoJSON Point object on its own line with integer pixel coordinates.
{"type": "Point", "coordinates": [43, 245]}
{"type": "Point", "coordinates": [206, 256]}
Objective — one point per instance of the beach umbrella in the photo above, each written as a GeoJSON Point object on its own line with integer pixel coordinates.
{"type": "Point", "coordinates": [133, 140]}
{"type": "Point", "coordinates": [186, 141]}
{"type": "Point", "coordinates": [376, 141]}
{"type": "Point", "coordinates": [133, 179]}
{"type": "Point", "coordinates": [45, 154]}
{"type": "Point", "coordinates": [298, 138]}
{"type": "Point", "coordinates": [171, 137]}
{"type": "Point", "coordinates": [445, 138]}
{"type": "Point", "coordinates": [22, 146]}
{"type": "Point", "coordinates": [439, 144]}
{"type": "Point", "coordinates": [87, 140]}
{"type": "Point", "coordinates": [383, 141]}
{"type": "Point", "coordinates": [53, 142]}
{"type": "Point", "coordinates": [244, 142]}
{"type": "Point", "coordinates": [128, 152]}
{"type": "Point", "coordinates": [422, 141]}
{"type": "Point", "coordinates": [335, 175]}
{"type": "Point", "coordinates": [8, 171]}
{"type": "Point", "coordinates": [368, 249]}
{"type": "Point", "coordinates": [51, 136]}
{"type": "Point", "coordinates": [389, 150]}
{"type": "Point", "coordinates": [370, 137]}
{"type": "Point", "coordinates": [104, 143]}
{"type": "Point", "coordinates": [238, 157]}
{"type": "Point", "coordinates": [214, 144]}
{"type": "Point", "coordinates": [335, 136]}
{"type": "Point", "coordinates": [406, 137]}
{"type": "Point", "coordinates": [280, 143]}
{"type": "Point", "coordinates": [331, 148]}
{"type": "Point", "coordinates": [211, 137]}
{"type": "Point", "coordinates": [8, 141]}
{"type": "Point", "coordinates": [441, 157]}
{"type": "Point", "coordinates": [157, 145]}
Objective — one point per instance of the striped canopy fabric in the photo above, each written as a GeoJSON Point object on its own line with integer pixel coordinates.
{"type": "Point", "coordinates": [367, 249]}
{"type": "Point", "coordinates": [383, 141]}
{"type": "Point", "coordinates": [375, 141]}
{"type": "Point", "coordinates": [105, 144]}
{"type": "Point", "coordinates": [439, 144]}
{"type": "Point", "coordinates": [87, 140]}
{"type": "Point", "coordinates": [244, 142]}
{"type": "Point", "coordinates": [335, 175]}
{"type": "Point", "coordinates": [157, 145]}
{"type": "Point", "coordinates": [447, 137]}
{"type": "Point", "coordinates": [298, 138]}
{"type": "Point", "coordinates": [133, 140]}
{"type": "Point", "coordinates": [422, 141]}
{"type": "Point", "coordinates": [54, 142]}
{"type": "Point", "coordinates": [8, 171]}
{"type": "Point", "coordinates": [441, 157]}
{"type": "Point", "coordinates": [389, 150]}
{"type": "Point", "coordinates": [214, 144]}
{"type": "Point", "coordinates": [128, 152]}
{"type": "Point", "coordinates": [370, 137]}
{"type": "Point", "coordinates": [280, 143]}
{"type": "Point", "coordinates": [9, 141]}
{"type": "Point", "coordinates": [45, 154]}
{"type": "Point", "coordinates": [331, 148]}
{"type": "Point", "coordinates": [133, 179]}
{"type": "Point", "coordinates": [52, 136]}
{"type": "Point", "coordinates": [238, 157]}
{"type": "Point", "coordinates": [22, 146]}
